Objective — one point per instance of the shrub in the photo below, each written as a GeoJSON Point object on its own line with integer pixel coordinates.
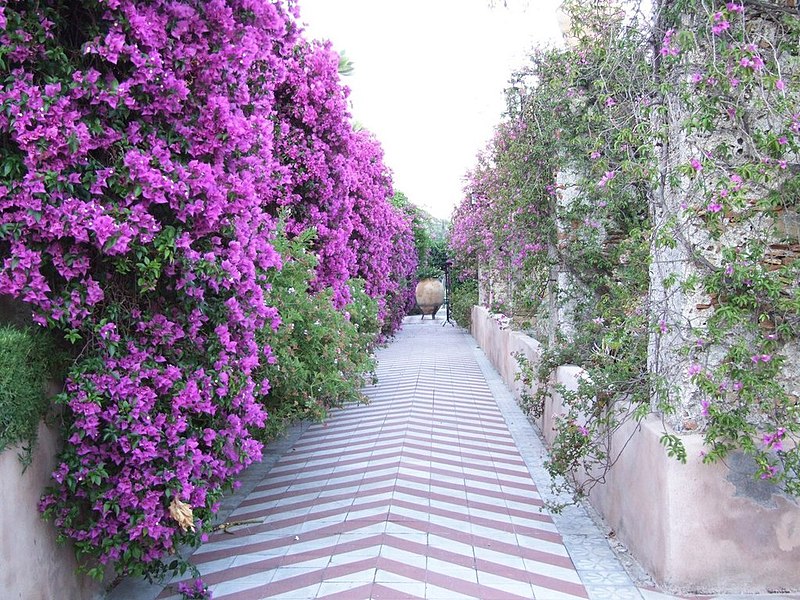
{"type": "Point", "coordinates": [321, 354]}
{"type": "Point", "coordinates": [464, 297]}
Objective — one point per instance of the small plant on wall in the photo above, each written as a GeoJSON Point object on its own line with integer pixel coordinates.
{"type": "Point", "coordinates": [30, 360]}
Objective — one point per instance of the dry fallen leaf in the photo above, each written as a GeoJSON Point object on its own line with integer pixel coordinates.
{"type": "Point", "coordinates": [182, 513]}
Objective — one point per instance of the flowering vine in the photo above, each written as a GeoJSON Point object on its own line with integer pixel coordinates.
{"type": "Point", "coordinates": [149, 152]}
{"type": "Point", "coordinates": [641, 198]}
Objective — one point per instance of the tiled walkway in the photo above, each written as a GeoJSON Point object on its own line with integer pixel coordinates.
{"type": "Point", "coordinates": [432, 490]}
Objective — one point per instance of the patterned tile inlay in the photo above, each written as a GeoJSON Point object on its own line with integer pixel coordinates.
{"type": "Point", "coordinates": [419, 494]}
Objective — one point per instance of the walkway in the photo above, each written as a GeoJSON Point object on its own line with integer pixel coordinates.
{"type": "Point", "coordinates": [433, 490]}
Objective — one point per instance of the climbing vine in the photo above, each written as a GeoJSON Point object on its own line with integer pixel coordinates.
{"type": "Point", "coordinates": [736, 222]}
{"type": "Point", "coordinates": [640, 196]}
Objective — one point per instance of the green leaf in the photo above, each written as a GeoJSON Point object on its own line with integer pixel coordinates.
{"type": "Point", "coordinates": [674, 446]}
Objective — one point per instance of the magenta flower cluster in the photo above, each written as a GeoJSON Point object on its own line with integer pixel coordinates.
{"type": "Point", "coordinates": [494, 225]}
{"type": "Point", "coordinates": [335, 181]}
{"type": "Point", "coordinates": [150, 150]}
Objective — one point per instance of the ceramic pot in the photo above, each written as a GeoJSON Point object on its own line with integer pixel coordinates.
{"type": "Point", "coordinates": [429, 295]}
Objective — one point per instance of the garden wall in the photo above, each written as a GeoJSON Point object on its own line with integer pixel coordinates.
{"type": "Point", "coordinates": [33, 565]}
{"type": "Point", "coordinates": [693, 527]}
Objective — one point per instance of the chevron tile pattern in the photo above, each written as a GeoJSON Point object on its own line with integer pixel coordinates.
{"type": "Point", "coordinates": [421, 493]}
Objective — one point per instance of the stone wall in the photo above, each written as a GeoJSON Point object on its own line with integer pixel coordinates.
{"type": "Point", "coordinates": [693, 527]}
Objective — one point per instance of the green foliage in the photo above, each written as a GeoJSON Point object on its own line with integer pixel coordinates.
{"type": "Point", "coordinates": [29, 360]}
{"type": "Point", "coordinates": [530, 402]}
{"type": "Point", "coordinates": [432, 263]}
{"type": "Point", "coordinates": [464, 295]}
{"type": "Point", "coordinates": [438, 256]}
{"type": "Point", "coordinates": [577, 113]}
{"type": "Point", "coordinates": [422, 237]}
{"type": "Point", "coordinates": [429, 272]}
{"type": "Point", "coordinates": [739, 226]}
{"type": "Point", "coordinates": [322, 356]}
{"type": "Point", "coordinates": [346, 66]}
{"type": "Point", "coordinates": [615, 388]}
{"type": "Point", "coordinates": [430, 240]}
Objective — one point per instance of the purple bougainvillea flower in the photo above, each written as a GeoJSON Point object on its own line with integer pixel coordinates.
{"type": "Point", "coordinates": [153, 166]}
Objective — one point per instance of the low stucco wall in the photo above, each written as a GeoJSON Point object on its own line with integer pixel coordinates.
{"type": "Point", "coordinates": [699, 527]}
{"type": "Point", "coordinates": [32, 565]}
{"type": "Point", "coordinates": [694, 527]}
{"type": "Point", "coordinates": [501, 344]}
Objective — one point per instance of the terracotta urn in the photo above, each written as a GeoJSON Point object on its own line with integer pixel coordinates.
{"type": "Point", "coordinates": [430, 296]}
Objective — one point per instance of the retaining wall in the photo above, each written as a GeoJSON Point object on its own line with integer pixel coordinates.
{"type": "Point", "coordinates": [693, 527]}
{"type": "Point", "coordinates": [32, 565]}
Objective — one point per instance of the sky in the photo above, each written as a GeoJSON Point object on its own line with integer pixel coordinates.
{"type": "Point", "coordinates": [428, 79]}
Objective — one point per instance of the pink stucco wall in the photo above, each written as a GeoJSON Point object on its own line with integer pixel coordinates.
{"type": "Point", "coordinates": [32, 565]}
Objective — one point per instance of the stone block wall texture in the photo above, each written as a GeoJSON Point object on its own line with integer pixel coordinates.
{"type": "Point", "coordinates": [33, 566]}
{"type": "Point", "coordinates": [678, 207]}
{"type": "Point", "coordinates": [693, 527]}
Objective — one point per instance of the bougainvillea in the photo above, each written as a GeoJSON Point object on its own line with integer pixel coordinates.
{"type": "Point", "coordinates": [382, 237]}
{"type": "Point", "coordinates": [313, 143]}
{"type": "Point", "coordinates": [149, 149]}
{"type": "Point", "coordinates": [645, 183]}
{"type": "Point", "coordinates": [338, 184]}
{"type": "Point", "coordinates": [731, 208]}
{"type": "Point", "coordinates": [502, 223]}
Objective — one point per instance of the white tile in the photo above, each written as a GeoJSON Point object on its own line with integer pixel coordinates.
{"type": "Point", "coordinates": [541, 593]}
{"type": "Point", "coordinates": [562, 573]}
{"type": "Point", "coordinates": [525, 590]}
{"type": "Point", "coordinates": [543, 545]}
{"type": "Point", "coordinates": [306, 593]}
{"type": "Point", "coordinates": [403, 556]}
{"type": "Point", "coordinates": [466, 551]}
{"type": "Point", "coordinates": [500, 558]}
{"type": "Point", "coordinates": [243, 583]}
{"type": "Point", "coordinates": [302, 545]}
{"type": "Point", "coordinates": [403, 588]}
{"type": "Point", "coordinates": [433, 592]}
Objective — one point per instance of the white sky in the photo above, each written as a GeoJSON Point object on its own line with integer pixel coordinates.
{"type": "Point", "coordinates": [429, 78]}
